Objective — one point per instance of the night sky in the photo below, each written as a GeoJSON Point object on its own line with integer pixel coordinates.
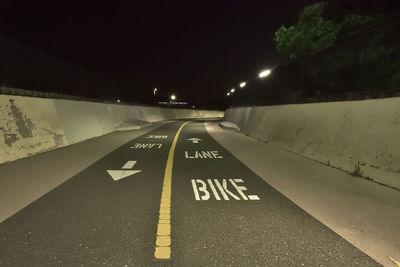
{"type": "Point", "coordinates": [195, 49]}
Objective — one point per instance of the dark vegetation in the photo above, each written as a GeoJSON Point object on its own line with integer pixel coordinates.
{"type": "Point", "coordinates": [334, 53]}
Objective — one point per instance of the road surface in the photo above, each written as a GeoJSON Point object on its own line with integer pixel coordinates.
{"type": "Point", "coordinates": [171, 197]}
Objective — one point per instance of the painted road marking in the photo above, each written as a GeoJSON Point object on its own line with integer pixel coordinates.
{"type": "Point", "coordinates": [129, 164]}
{"type": "Point", "coordinates": [163, 239]}
{"type": "Point", "coordinates": [156, 136]}
{"type": "Point", "coordinates": [200, 186]}
{"type": "Point", "coordinates": [394, 261]}
{"type": "Point", "coordinates": [146, 145]}
{"type": "Point", "coordinates": [254, 197]}
{"type": "Point", "coordinates": [125, 172]}
{"type": "Point", "coordinates": [195, 140]}
{"type": "Point", "coordinates": [203, 155]}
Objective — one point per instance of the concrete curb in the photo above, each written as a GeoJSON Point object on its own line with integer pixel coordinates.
{"type": "Point", "coordinates": [229, 126]}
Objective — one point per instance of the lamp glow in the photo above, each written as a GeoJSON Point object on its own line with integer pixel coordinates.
{"type": "Point", "coordinates": [264, 73]}
{"type": "Point", "coordinates": [172, 97]}
{"type": "Point", "coordinates": [242, 84]}
{"type": "Point", "coordinates": [232, 90]}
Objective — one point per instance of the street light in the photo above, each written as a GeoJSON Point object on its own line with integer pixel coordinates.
{"type": "Point", "coordinates": [154, 91]}
{"type": "Point", "coordinates": [228, 94]}
{"type": "Point", "coordinates": [264, 73]}
{"type": "Point", "coordinates": [118, 100]}
{"type": "Point", "coordinates": [242, 84]}
{"type": "Point", "coordinates": [232, 90]}
{"type": "Point", "coordinates": [172, 97]}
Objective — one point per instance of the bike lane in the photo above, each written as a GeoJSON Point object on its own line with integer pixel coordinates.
{"type": "Point", "coordinates": [223, 214]}
{"type": "Point", "coordinates": [104, 216]}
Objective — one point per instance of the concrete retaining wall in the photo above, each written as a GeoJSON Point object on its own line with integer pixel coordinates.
{"type": "Point", "coordinates": [342, 134]}
{"type": "Point", "coordinates": [31, 125]}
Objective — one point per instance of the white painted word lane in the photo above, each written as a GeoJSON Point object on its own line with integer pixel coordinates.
{"type": "Point", "coordinates": [125, 171]}
{"type": "Point", "coordinates": [203, 189]}
{"type": "Point", "coordinates": [146, 145]}
{"type": "Point", "coordinates": [203, 154]}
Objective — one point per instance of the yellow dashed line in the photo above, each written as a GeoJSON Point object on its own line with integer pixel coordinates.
{"type": "Point", "coordinates": [163, 241]}
{"type": "Point", "coordinates": [395, 262]}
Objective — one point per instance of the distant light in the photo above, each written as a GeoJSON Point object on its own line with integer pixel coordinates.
{"type": "Point", "coordinates": [264, 73]}
{"type": "Point", "coordinates": [228, 94]}
{"type": "Point", "coordinates": [172, 97]}
{"type": "Point", "coordinates": [242, 84]}
{"type": "Point", "coordinates": [154, 91]}
{"type": "Point", "coordinates": [172, 102]}
{"type": "Point", "coordinates": [118, 100]}
{"type": "Point", "coordinates": [193, 107]}
{"type": "Point", "coordinates": [232, 90]}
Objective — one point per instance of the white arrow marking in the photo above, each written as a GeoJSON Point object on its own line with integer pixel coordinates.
{"type": "Point", "coordinates": [129, 164]}
{"type": "Point", "coordinates": [194, 140]}
{"type": "Point", "coordinates": [119, 174]}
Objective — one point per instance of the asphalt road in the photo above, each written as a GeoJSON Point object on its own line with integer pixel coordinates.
{"type": "Point", "coordinates": [212, 211]}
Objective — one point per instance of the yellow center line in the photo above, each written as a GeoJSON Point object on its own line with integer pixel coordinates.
{"type": "Point", "coordinates": [394, 261]}
{"type": "Point", "coordinates": [163, 240]}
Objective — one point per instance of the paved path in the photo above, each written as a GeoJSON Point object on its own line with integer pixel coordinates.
{"type": "Point", "coordinates": [204, 209]}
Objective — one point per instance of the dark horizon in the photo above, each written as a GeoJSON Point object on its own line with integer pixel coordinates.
{"type": "Point", "coordinates": [196, 51]}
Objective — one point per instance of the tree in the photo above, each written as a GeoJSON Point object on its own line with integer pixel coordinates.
{"type": "Point", "coordinates": [364, 63]}
{"type": "Point", "coordinates": [314, 30]}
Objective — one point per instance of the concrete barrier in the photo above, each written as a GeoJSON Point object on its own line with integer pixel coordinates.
{"type": "Point", "coordinates": [361, 137]}
{"type": "Point", "coordinates": [30, 125]}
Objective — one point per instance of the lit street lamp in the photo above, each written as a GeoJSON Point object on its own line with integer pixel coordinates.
{"type": "Point", "coordinates": [154, 91]}
{"type": "Point", "coordinates": [118, 100]}
{"type": "Point", "coordinates": [264, 73]}
{"type": "Point", "coordinates": [232, 90]}
{"type": "Point", "coordinates": [172, 97]}
{"type": "Point", "coordinates": [228, 94]}
{"type": "Point", "coordinates": [242, 84]}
